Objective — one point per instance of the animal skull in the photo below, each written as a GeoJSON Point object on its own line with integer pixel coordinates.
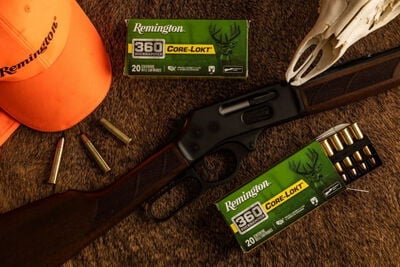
{"type": "Point", "coordinates": [340, 24]}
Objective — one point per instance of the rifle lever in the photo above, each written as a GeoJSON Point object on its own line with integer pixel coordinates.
{"type": "Point", "coordinates": [187, 194]}
{"type": "Point", "coordinates": [190, 184]}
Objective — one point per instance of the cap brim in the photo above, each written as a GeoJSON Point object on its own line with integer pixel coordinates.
{"type": "Point", "coordinates": [70, 89]}
{"type": "Point", "coordinates": [7, 126]}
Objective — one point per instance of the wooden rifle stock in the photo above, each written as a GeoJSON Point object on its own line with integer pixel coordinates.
{"type": "Point", "coordinates": [352, 81]}
{"type": "Point", "coordinates": [50, 231]}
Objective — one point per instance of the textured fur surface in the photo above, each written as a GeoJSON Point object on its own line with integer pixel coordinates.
{"type": "Point", "coordinates": [354, 229]}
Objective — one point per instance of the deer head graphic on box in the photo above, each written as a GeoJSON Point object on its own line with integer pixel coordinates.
{"type": "Point", "coordinates": [310, 169]}
{"type": "Point", "coordinates": [225, 42]}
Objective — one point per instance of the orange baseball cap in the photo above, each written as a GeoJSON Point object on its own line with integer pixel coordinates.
{"type": "Point", "coordinates": [54, 70]}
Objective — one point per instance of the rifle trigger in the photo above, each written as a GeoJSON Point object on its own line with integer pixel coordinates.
{"type": "Point", "coordinates": [248, 140]}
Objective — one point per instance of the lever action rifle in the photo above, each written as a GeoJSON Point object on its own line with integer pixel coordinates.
{"type": "Point", "coordinates": [50, 231]}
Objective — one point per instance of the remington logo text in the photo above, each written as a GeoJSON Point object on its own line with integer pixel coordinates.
{"type": "Point", "coordinates": [252, 193]}
{"type": "Point", "coordinates": [10, 70]}
{"type": "Point", "coordinates": [163, 29]}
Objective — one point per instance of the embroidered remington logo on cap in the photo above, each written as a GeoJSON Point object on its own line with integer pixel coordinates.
{"type": "Point", "coordinates": [10, 70]}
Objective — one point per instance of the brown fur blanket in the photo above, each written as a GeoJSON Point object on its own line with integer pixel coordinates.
{"type": "Point", "coordinates": [354, 229]}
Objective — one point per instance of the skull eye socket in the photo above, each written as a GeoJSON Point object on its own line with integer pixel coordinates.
{"type": "Point", "coordinates": [304, 57]}
{"type": "Point", "coordinates": [313, 64]}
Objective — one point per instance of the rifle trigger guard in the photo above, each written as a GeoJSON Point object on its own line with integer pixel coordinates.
{"type": "Point", "coordinates": [239, 150]}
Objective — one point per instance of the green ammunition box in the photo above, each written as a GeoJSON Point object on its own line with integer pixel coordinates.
{"type": "Point", "coordinates": [297, 185]}
{"type": "Point", "coordinates": [187, 48]}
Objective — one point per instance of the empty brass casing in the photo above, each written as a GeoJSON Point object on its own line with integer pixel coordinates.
{"type": "Point", "coordinates": [336, 142]}
{"type": "Point", "coordinates": [356, 131]}
{"type": "Point", "coordinates": [56, 161]}
{"type": "Point", "coordinates": [327, 147]}
{"type": "Point", "coordinates": [115, 131]}
{"type": "Point", "coordinates": [95, 154]}
{"type": "Point", "coordinates": [346, 136]}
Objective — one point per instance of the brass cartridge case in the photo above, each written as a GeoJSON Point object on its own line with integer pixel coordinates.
{"type": "Point", "coordinates": [367, 151]}
{"type": "Point", "coordinates": [356, 131]}
{"type": "Point", "coordinates": [346, 136]}
{"type": "Point", "coordinates": [338, 167]}
{"type": "Point", "coordinates": [95, 154]}
{"type": "Point", "coordinates": [337, 143]}
{"type": "Point", "coordinates": [347, 161]}
{"type": "Point", "coordinates": [56, 161]}
{"type": "Point", "coordinates": [327, 147]}
{"type": "Point", "coordinates": [358, 157]}
{"type": "Point", "coordinates": [115, 131]}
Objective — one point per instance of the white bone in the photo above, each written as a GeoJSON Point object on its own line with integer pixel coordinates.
{"type": "Point", "coordinates": [340, 24]}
